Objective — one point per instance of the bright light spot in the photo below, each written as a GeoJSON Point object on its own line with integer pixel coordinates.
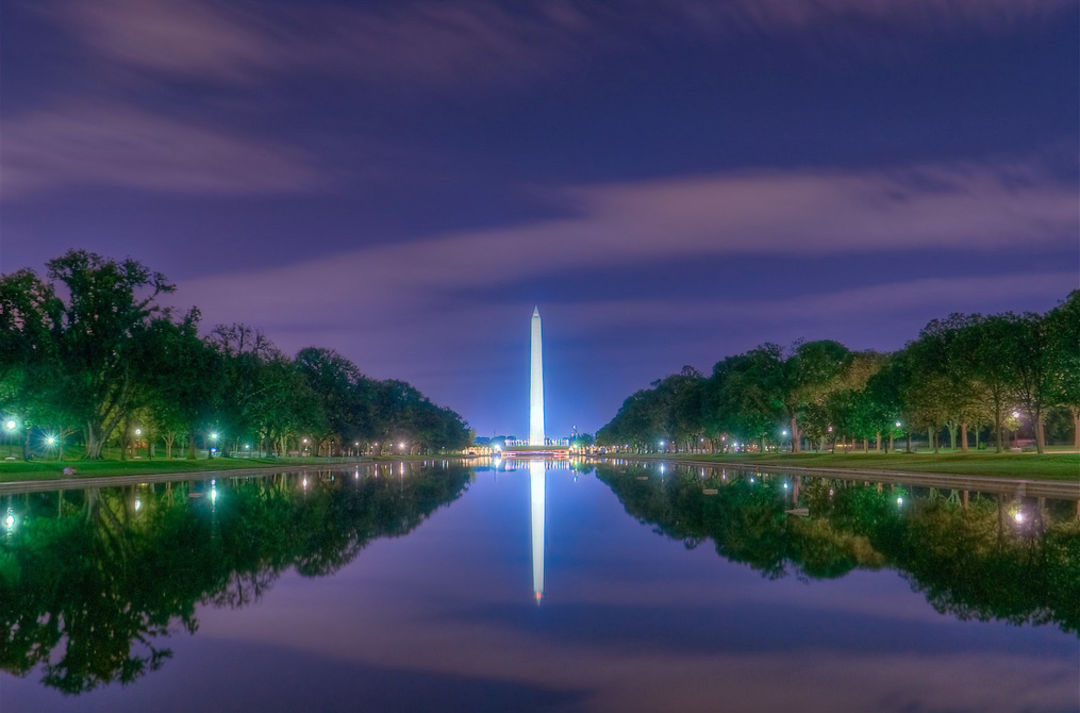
{"type": "Point", "coordinates": [213, 436]}
{"type": "Point", "coordinates": [662, 469]}
{"type": "Point", "coordinates": [213, 481]}
{"type": "Point", "coordinates": [50, 440]}
{"type": "Point", "coordinates": [1019, 516]}
{"type": "Point", "coordinates": [751, 480]}
{"type": "Point", "coordinates": [899, 501]}
{"type": "Point", "coordinates": [784, 433]}
{"type": "Point", "coordinates": [785, 486]}
{"type": "Point", "coordinates": [304, 483]}
{"type": "Point", "coordinates": [356, 475]}
{"type": "Point", "coordinates": [831, 491]}
{"type": "Point", "coordinates": [247, 446]}
{"type": "Point", "coordinates": [10, 425]}
{"type": "Point", "coordinates": [138, 431]}
{"type": "Point", "coordinates": [138, 504]}
{"type": "Point", "coordinates": [1016, 414]}
{"type": "Point", "coordinates": [898, 424]}
{"type": "Point", "coordinates": [213, 495]}
{"type": "Point", "coordinates": [401, 445]}
{"type": "Point", "coordinates": [9, 522]}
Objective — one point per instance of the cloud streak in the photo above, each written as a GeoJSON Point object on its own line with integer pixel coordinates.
{"type": "Point", "coordinates": [392, 306]}
{"type": "Point", "coordinates": [473, 41]}
{"type": "Point", "coordinates": [811, 213]}
{"type": "Point", "coordinates": [97, 144]}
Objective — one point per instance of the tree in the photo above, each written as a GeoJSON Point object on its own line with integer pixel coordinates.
{"type": "Point", "coordinates": [109, 309]}
{"type": "Point", "coordinates": [1063, 334]}
{"type": "Point", "coordinates": [807, 373]}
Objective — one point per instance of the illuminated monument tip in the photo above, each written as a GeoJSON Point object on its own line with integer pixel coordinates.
{"type": "Point", "coordinates": [536, 392]}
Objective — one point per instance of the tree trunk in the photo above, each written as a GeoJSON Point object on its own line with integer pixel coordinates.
{"type": "Point", "coordinates": [878, 446]}
{"type": "Point", "coordinates": [1076, 426]}
{"type": "Point", "coordinates": [1040, 432]}
{"type": "Point", "coordinates": [909, 441]}
{"type": "Point", "coordinates": [191, 446]}
{"type": "Point", "coordinates": [795, 445]}
{"type": "Point", "coordinates": [952, 436]}
{"type": "Point", "coordinates": [93, 443]}
{"type": "Point", "coordinates": [999, 434]}
{"type": "Point", "coordinates": [963, 437]}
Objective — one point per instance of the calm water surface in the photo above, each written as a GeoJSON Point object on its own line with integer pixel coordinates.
{"type": "Point", "coordinates": [536, 587]}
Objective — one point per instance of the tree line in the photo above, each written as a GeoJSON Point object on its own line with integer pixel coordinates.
{"type": "Point", "coordinates": [965, 374]}
{"type": "Point", "coordinates": [90, 356]}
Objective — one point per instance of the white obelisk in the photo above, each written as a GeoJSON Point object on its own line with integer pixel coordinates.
{"type": "Point", "coordinates": [537, 478]}
{"type": "Point", "coordinates": [536, 393]}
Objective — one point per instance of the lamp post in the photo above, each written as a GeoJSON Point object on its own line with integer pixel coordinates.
{"type": "Point", "coordinates": [213, 440]}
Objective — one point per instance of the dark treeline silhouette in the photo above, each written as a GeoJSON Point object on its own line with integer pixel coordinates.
{"type": "Point", "coordinates": [90, 355]}
{"type": "Point", "coordinates": [90, 581]}
{"type": "Point", "coordinates": [975, 562]}
{"type": "Point", "coordinates": [963, 375]}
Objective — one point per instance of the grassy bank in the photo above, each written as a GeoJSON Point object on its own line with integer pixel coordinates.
{"type": "Point", "coordinates": [50, 470]}
{"type": "Point", "coordinates": [1031, 466]}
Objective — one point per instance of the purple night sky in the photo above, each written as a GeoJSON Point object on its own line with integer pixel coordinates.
{"type": "Point", "coordinates": [670, 181]}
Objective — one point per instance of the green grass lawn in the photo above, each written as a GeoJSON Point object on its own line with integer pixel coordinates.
{"type": "Point", "coordinates": [51, 469]}
{"type": "Point", "coordinates": [1049, 466]}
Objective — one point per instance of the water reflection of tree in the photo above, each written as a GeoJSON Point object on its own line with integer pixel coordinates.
{"type": "Point", "coordinates": [972, 563]}
{"type": "Point", "coordinates": [90, 582]}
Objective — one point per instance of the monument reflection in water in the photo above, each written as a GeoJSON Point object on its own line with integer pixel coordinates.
{"type": "Point", "coordinates": [677, 587]}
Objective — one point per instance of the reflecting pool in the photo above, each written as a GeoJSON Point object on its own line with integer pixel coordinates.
{"type": "Point", "coordinates": [529, 586]}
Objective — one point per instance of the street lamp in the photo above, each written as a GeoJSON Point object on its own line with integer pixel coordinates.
{"type": "Point", "coordinates": [210, 450]}
{"type": "Point", "coordinates": [11, 424]}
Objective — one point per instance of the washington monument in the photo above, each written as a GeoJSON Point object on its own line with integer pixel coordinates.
{"type": "Point", "coordinates": [536, 393]}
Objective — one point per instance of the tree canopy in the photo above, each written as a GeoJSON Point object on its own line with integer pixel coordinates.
{"type": "Point", "coordinates": [90, 352]}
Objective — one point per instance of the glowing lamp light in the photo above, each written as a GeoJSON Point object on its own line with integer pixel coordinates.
{"type": "Point", "coordinates": [898, 424]}
{"type": "Point", "coordinates": [138, 504]}
{"type": "Point", "coordinates": [138, 431]}
{"type": "Point", "coordinates": [213, 495]}
{"type": "Point", "coordinates": [304, 483]}
{"type": "Point", "coordinates": [900, 501]}
{"type": "Point", "coordinates": [9, 522]}
{"type": "Point", "coordinates": [51, 440]}
{"type": "Point", "coordinates": [10, 424]}
{"type": "Point", "coordinates": [247, 446]}
{"type": "Point", "coordinates": [785, 486]}
{"type": "Point", "coordinates": [1019, 517]}
{"type": "Point", "coordinates": [213, 436]}
{"type": "Point", "coordinates": [783, 433]}
{"type": "Point", "coordinates": [1016, 414]}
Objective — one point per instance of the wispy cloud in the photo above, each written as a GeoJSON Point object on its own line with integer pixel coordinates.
{"type": "Point", "coordinates": [959, 206]}
{"type": "Point", "coordinates": [403, 301]}
{"type": "Point", "coordinates": [97, 144]}
{"type": "Point", "coordinates": [471, 41]}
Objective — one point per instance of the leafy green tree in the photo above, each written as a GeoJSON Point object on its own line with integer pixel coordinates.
{"type": "Point", "coordinates": [109, 309]}
{"type": "Point", "coordinates": [1063, 333]}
